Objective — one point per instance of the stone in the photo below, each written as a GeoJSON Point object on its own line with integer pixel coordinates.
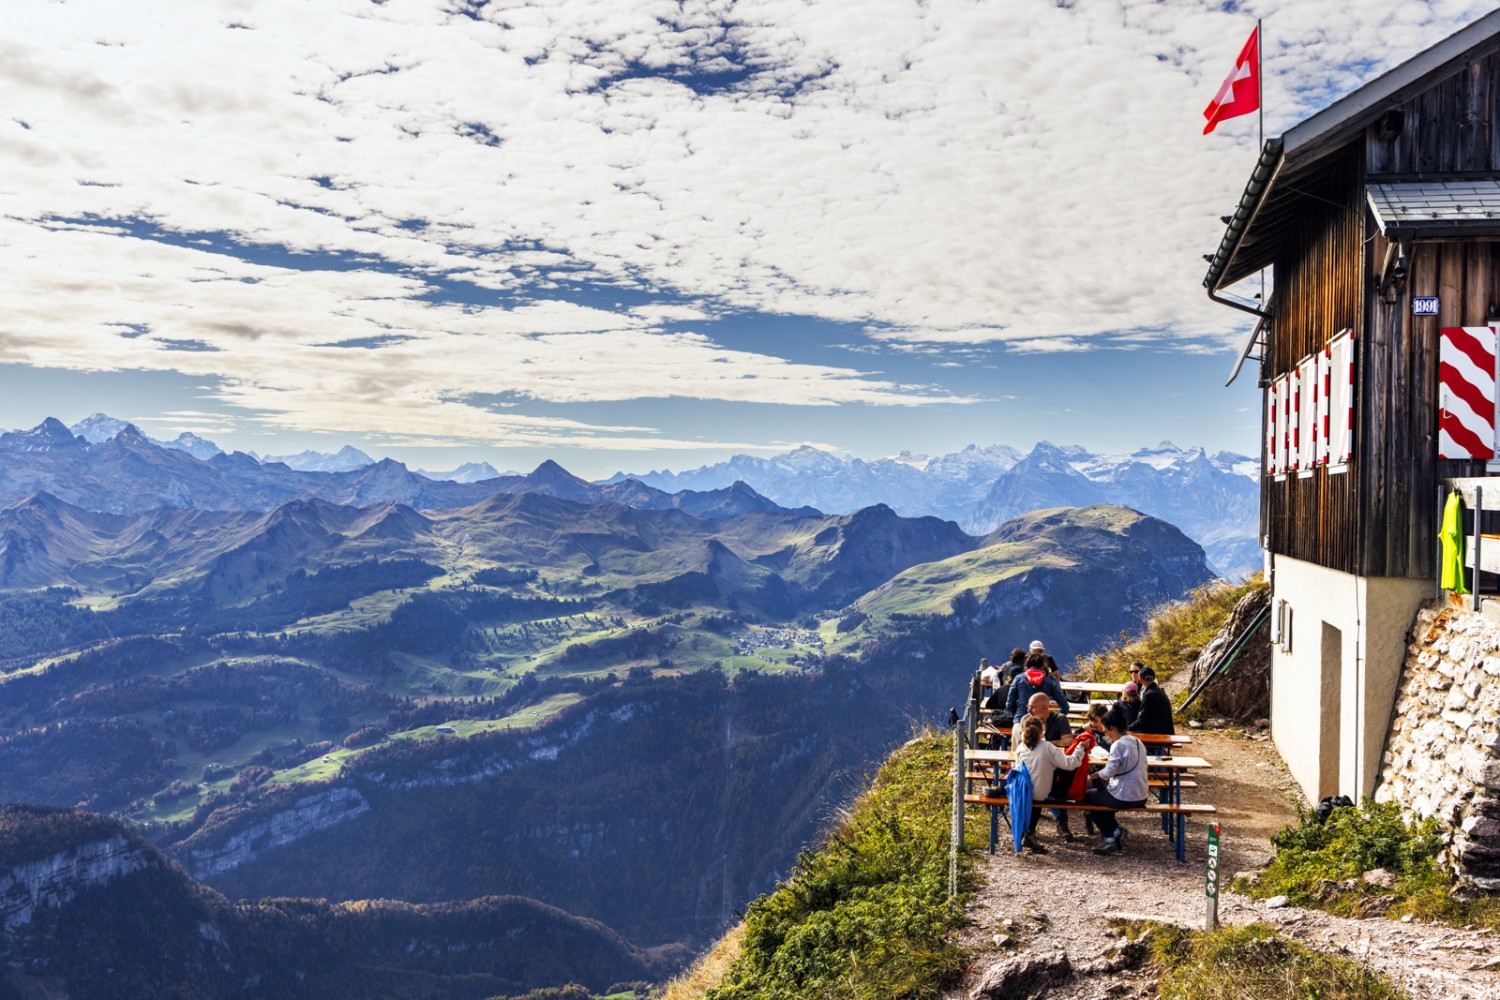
{"type": "Point", "coordinates": [1023, 976]}
{"type": "Point", "coordinates": [1491, 665]}
{"type": "Point", "coordinates": [1277, 902]}
{"type": "Point", "coordinates": [1405, 920]}
{"type": "Point", "coordinates": [1457, 698]}
{"type": "Point", "coordinates": [1480, 826]}
{"type": "Point", "coordinates": [1262, 723]}
{"type": "Point", "coordinates": [1192, 724]}
{"type": "Point", "coordinates": [1380, 877]}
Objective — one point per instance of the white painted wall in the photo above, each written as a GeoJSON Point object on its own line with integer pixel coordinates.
{"type": "Point", "coordinates": [1329, 725]}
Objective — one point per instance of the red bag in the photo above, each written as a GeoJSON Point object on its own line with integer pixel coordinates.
{"type": "Point", "coordinates": [1081, 776]}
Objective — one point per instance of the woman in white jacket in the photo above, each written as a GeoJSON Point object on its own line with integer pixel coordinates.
{"type": "Point", "coordinates": [1121, 784]}
{"type": "Point", "coordinates": [1042, 760]}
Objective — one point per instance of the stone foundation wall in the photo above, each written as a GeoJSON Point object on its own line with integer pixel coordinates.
{"type": "Point", "coordinates": [1443, 756]}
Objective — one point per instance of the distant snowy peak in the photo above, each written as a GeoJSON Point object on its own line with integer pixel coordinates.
{"type": "Point", "coordinates": [98, 428]}
{"type": "Point", "coordinates": [346, 459]}
{"type": "Point", "coordinates": [199, 448]}
{"type": "Point", "coordinates": [469, 472]}
{"type": "Point", "coordinates": [101, 427]}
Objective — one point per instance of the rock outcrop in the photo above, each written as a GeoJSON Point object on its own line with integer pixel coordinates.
{"type": "Point", "coordinates": [1443, 756]}
{"type": "Point", "coordinates": [1243, 690]}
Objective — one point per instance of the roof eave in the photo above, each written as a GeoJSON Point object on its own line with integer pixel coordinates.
{"type": "Point", "coordinates": [1266, 169]}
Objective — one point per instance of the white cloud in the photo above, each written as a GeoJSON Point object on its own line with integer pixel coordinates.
{"type": "Point", "coordinates": [944, 173]}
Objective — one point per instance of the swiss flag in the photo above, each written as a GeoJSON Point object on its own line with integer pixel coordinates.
{"type": "Point", "coordinates": [1240, 93]}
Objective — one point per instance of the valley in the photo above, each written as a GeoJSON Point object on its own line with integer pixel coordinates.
{"type": "Point", "coordinates": [637, 715]}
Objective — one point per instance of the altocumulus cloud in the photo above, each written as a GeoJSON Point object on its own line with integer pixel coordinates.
{"type": "Point", "coordinates": [351, 215]}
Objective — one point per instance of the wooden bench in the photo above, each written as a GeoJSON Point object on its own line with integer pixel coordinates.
{"type": "Point", "coordinates": [1149, 739]}
{"type": "Point", "coordinates": [1156, 783]}
{"type": "Point", "coordinates": [1163, 809]}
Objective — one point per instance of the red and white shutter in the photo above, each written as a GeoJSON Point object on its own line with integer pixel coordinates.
{"type": "Point", "coordinates": [1273, 453]}
{"type": "Point", "coordinates": [1466, 387]}
{"type": "Point", "coordinates": [1340, 399]}
{"type": "Point", "coordinates": [1294, 421]}
{"type": "Point", "coordinates": [1325, 367]}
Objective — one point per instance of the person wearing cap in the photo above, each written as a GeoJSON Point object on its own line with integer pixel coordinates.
{"type": "Point", "coordinates": [1156, 708]}
{"type": "Point", "coordinates": [1130, 701]}
{"type": "Point", "coordinates": [1035, 679]}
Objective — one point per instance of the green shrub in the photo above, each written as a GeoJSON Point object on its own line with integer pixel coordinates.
{"type": "Point", "coordinates": [1322, 864]}
{"type": "Point", "coordinates": [1252, 963]}
{"type": "Point", "coordinates": [867, 914]}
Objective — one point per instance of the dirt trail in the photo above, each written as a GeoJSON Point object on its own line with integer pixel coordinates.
{"type": "Point", "coordinates": [1059, 901]}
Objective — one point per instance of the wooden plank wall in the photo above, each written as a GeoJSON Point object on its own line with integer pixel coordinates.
{"type": "Point", "coordinates": [1318, 293]}
{"type": "Point", "coordinates": [1449, 128]}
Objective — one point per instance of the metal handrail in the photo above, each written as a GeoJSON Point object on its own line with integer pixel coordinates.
{"type": "Point", "coordinates": [1230, 656]}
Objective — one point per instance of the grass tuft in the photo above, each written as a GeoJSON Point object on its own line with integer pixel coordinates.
{"type": "Point", "coordinates": [866, 915]}
{"type": "Point", "coordinates": [1175, 634]}
{"type": "Point", "coordinates": [1253, 962]}
{"type": "Point", "coordinates": [1322, 865]}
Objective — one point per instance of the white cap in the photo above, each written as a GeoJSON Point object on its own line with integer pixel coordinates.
{"type": "Point", "coordinates": [1036, 645]}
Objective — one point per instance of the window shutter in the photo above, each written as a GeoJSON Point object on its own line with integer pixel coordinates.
{"type": "Point", "coordinates": [1320, 418]}
{"type": "Point", "coordinates": [1340, 397]}
{"type": "Point", "coordinates": [1273, 427]}
{"type": "Point", "coordinates": [1466, 390]}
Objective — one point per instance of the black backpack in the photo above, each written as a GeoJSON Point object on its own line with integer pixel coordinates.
{"type": "Point", "coordinates": [1329, 803]}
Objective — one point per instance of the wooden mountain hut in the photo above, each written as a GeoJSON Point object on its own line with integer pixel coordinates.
{"type": "Point", "coordinates": [1379, 221]}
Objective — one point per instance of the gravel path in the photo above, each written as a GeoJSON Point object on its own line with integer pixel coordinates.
{"type": "Point", "coordinates": [1038, 905]}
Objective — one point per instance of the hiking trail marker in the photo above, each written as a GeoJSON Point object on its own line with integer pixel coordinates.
{"type": "Point", "coordinates": [1211, 880]}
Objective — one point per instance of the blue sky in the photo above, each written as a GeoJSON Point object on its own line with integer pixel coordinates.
{"type": "Point", "coordinates": [633, 235]}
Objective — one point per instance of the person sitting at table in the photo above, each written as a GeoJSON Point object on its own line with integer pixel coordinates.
{"type": "Point", "coordinates": [1045, 762]}
{"type": "Point", "coordinates": [1054, 723]}
{"type": "Point", "coordinates": [1095, 724]}
{"type": "Point", "coordinates": [1130, 702]}
{"type": "Point", "coordinates": [989, 677]}
{"type": "Point", "coordinates": [1121, 784]}
{"type": "Point", "coordinates": [1156, 708]}
{"type": "Point", "coordinates": [1035, 679]}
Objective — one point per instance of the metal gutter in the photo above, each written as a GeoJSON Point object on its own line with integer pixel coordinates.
{"type": "Point", "coordinates": [1266, 169]}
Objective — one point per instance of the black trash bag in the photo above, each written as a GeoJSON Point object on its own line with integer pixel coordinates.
{"type": "Point", "coordinates": [1329, 803]}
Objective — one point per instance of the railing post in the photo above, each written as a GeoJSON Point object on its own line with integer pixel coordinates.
{"type": "Point", "coordinates": [1478, 542]}
{"type": "Point", "coordinates": [957, 835]}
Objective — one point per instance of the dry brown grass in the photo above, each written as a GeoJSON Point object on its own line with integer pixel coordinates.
{"type": "Point", "coordinates": [709, 970]}
{"type": "Point", "coordinates": [1175, 634]}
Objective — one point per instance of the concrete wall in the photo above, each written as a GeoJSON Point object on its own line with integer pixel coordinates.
{"type": "Point", "coordinates": [1332, 692]}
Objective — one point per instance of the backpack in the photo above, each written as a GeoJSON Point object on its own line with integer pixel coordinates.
{"type": "Point", "coordinates": [1329, 803]}
{"type": "Point", "coordinates": [1081, 776]}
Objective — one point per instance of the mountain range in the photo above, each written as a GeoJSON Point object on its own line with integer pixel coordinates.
{"type": "Point", "coordinates": [1213, 498]}
{"type": "Point", "coordinates": [130, 473]}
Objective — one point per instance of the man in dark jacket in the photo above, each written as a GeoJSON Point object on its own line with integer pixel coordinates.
{"type": "Point", "coordinates": [1156, 708]}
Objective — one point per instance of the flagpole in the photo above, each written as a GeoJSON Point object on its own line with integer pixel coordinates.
{"type": "Point", "coordinates": [1260, 92]}
{"type": "Point", "coordinates": [1260, 121]}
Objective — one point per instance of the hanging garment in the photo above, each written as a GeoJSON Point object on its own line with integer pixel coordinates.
{"type": "Point", "coordinates": [1018, 791]}
{"type": "Point", "coordinates": [1451, 535]}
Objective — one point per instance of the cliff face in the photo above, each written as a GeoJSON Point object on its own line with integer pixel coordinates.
{"type": "Point", "coordinates": [1443, 756]}
{"type": "Point", "coordinates": [306, 816]}
{"type": "Point", "coordinates": [89, 909]}
{"type": "Point", "coordinates": [56, 880]}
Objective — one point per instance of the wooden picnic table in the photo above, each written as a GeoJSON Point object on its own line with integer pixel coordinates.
{"type": "Point", "coordinates": [1150, 739]}
{"type": "Point", "coordinates": [1083, 687]}
{"type": "Point", "coordinates": [1170, 805]}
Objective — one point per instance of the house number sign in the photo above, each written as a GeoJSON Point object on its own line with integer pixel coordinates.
{"type": "Point", "coordinates": [1424, 305]}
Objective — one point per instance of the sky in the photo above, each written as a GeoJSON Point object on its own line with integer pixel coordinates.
{"type": "Point", "coordinates": [641, 234]}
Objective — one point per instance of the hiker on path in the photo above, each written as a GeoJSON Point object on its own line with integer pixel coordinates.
{"type": "Point", "coordinates": [1156, 708]}
{"type": "Point", "coordinates": [1035, 679]}
{"type": "Point", "coordinates": [1045, 762]}
{"type": "Point", "coordinates": [1121, 784]}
